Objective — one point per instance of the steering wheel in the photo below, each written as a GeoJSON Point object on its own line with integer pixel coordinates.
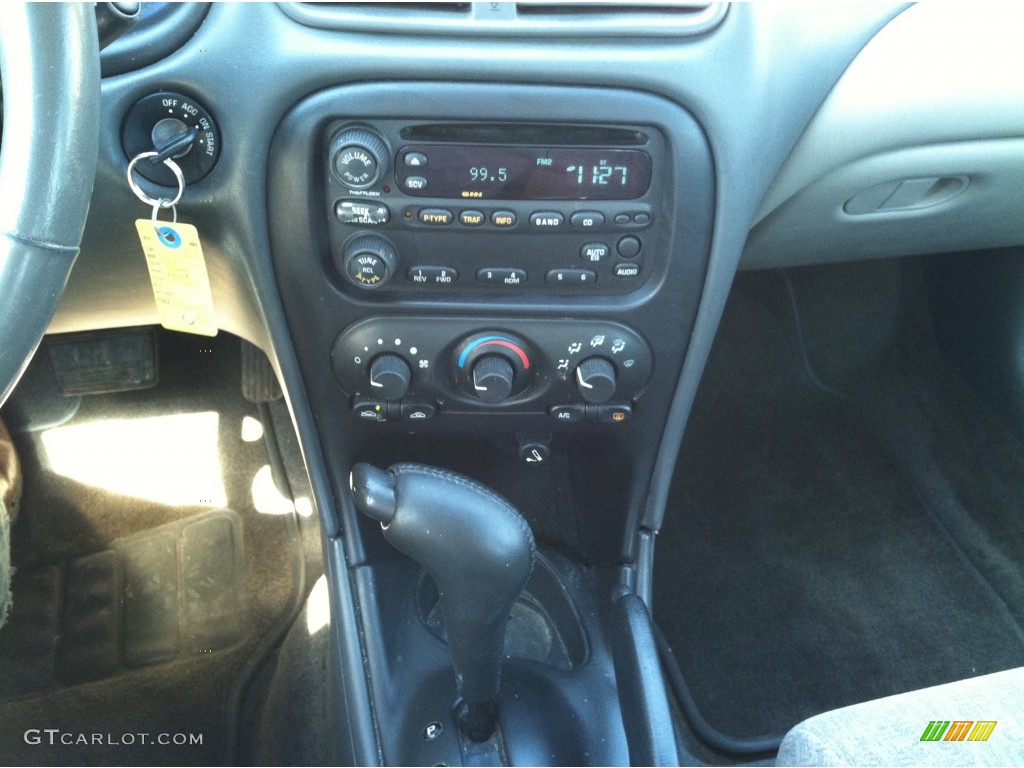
{"type": "Point", "coordinates": [50, 72]}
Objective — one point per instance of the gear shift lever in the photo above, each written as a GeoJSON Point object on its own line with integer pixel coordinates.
{"type": "Point", "coordinates": [478, 549]}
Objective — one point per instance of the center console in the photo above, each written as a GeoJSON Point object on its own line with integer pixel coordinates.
{"type": "Point", "coordinates": [502, 288]}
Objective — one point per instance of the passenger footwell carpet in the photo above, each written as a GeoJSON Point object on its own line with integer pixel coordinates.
{"type": "Point", "coordinates": [826, 542]}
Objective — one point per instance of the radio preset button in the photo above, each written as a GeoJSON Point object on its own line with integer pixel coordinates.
{"type": "Point", "coordinates": [503, 219]}
{"type": "Point", "coordinates": [572, 277]}
{"type": "Point", "coordinates": [435, 216]}
{"type": "Point", "coordinates": [415, 159]}
{"type": "Point", "coordinates": [586, 219]}
{"type": "Point", "coordinates": [629, 247]}
{"type": "Point", "coordinates": [501, 276]}
{"type": "Point", "coordinates": [431, 276]}
{"type": "Point", "coordinates": [471, 218]}
{"type": "Point", "coordinates": [546, 219]}
{"type": "Point", "coordinates": [627, 269]}
{"type": "Point", "coordinates": [415, 182]}
{"type": "Point", "coordinates": [594, 252]}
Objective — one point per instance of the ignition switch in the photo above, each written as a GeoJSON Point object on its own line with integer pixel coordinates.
{"type": "Point", "coordinates": [162, 118]}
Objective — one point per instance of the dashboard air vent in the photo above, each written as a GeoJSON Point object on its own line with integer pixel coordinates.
{"type": "Point", "coordinates": [509, 19]}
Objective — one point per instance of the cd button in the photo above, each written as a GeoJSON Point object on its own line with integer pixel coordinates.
{"type": "Point", "coordinates": [572, 277]}
{"type": "Point", "coordinates": [586, 219]}
{"type": "Point", "coordinates": [546, 219]}
{"type": "Point", "coordinates": [594, 252]}
{"type": "Point", "coordinates": [501, 276]}
{"type": "Point", "coordinates": [503, 219]}
{"type": "Point", "coordinates": [435, 216]}
{"type": "Point", "coordinates": [471, 218]}
{"type": "Point", "coordinates": [415, 182]}
{"type": "Point", "coordinates": [415, 159]}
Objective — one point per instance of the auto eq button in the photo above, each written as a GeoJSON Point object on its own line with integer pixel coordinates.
{"type": "Point", "coordinates": [594, 252]}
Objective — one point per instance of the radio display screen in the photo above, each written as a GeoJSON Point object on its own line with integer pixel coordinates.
{"type": "Point", "coordinates": [492, 172]}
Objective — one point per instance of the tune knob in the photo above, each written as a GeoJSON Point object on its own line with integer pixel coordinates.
{"type": "Point", "coordinates": [389, 376]}
{"type": "Point", "coordinates": [493, 377]}
{"type": "Point", "coordinates": [359, 157]}
{"type": "Point", "coordinates": [368, 260]}
{"type": "Point", "coordinates": [595, 378]}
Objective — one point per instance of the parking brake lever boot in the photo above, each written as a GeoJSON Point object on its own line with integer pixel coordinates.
{"type": "Point", "coordinates": [478, 549]}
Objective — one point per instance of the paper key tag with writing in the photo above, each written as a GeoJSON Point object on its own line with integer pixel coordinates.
{"type": "Point", "coordinates": [177, 270]}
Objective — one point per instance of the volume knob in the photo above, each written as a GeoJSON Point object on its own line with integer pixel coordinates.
{"type": "Point", "coordinates": [359, 157]}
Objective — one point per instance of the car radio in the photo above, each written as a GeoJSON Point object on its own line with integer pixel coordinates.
{"type": "Point", "coordinates": [432, 210]}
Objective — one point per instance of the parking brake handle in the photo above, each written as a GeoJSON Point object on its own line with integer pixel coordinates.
{"type": "Point", "coordinates": [480, 552]}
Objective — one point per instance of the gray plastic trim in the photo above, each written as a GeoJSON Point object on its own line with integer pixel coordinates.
{"type": "Point", "coordinates": [938, 73]}
{"type": "Point", "coordinates": [504, 19]}
{"type": "Point", "coordinates": [977, 202]}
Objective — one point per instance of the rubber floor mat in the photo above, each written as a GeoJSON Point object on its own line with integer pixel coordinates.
{"type": "Point", "coordinates": [167, 593]}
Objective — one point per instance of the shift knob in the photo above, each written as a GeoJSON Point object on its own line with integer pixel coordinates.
{"type": "Point", "coordinates": [480, 552]}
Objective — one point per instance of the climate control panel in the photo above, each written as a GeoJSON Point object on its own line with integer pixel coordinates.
{"type": "Point", "coordinates": [416, 368]}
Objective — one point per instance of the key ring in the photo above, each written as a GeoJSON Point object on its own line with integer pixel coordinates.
{"type": "Point", "coordinates": [162, 202]}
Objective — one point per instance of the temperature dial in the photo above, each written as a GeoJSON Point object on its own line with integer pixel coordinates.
{"type": "Point", "coordinates": [493, 376]}
{"type": "Point", "coordinates": [595, 378]}
{"type": "Point", "coordinates": [359, 157]}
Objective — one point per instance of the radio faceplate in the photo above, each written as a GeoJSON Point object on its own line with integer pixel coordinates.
{"type": "Point", "coordinates": [542, 210]}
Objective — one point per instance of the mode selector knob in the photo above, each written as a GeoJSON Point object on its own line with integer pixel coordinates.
{"type": "Point", "coordinates": [595, 378]}
{"type": "Point", "coordinates": [493, 377]}
{"type": "Point", "coordinates": [389, 376]}
{"type": "Point", "coordinates": [359, 157]}
{"type": "Point", "coordinates": [368, 260]}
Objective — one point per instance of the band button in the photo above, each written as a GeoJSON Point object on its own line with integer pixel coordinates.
{"type": "Point", "coordinates": [546, 219]}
